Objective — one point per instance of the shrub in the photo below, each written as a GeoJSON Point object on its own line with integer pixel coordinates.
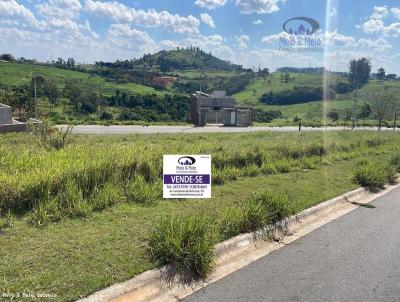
{"type": "Point", "coordinates": [268, 168]}
{"type": "Point", "coordinates": [373, 176]}
{"type": "Point", "coordinates": [395, 161]}
{"type": "Point", "coordinates": [283, 166]}
{"type": "Point", "coordinates": [187, 243]}
{"type": "Point", "coordinates": [106, 116]}
{"type": "Point", "coordinates": [142, 192]}
{"type": "Point", "coordinates": [277, 205]}
{"type": "Point", "coordinates": [71, 201]}
{"type": "Point", "coordinates": [248, 217]}
{"type": "Point", "coordinates": [251, 171]}
{"type": "Point", "coordinates": [218, 177]}
{"type": "Point", "coordinates": [8, 221]}
{"type": "Point", "coordinates": [45, 213]}
{"type": "Point", "coordinates": [391, 174]}
{"type": "Point", "coordinates": [231, 173]}
{"type": "Point", "coordinates": [108, 195]}
{"type": "Point", "coordinates": [308, 163]}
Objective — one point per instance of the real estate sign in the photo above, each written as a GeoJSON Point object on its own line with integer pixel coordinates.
{"type": "Point", "coordinates": [187, 176]}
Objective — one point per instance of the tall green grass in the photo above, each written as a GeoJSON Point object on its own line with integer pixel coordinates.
{"type": "Point", "coordinates": [186, 243]}
{"type": "Point", "coordinates": [97, 172]}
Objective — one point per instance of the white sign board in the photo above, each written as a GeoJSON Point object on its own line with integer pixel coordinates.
{"type": "Point", "coordinates": [187, 176]}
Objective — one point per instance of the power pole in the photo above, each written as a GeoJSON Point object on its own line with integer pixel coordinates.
{"type": "Point", "coordinates": [36, 109]}
{"type": "Point", "coordinates": [355, 106]}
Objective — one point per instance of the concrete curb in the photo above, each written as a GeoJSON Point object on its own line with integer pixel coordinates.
{"type": "Point", "coordinates": [145, 282]}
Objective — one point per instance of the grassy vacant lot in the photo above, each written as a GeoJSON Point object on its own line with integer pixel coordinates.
{"type": "Point", "coordinates": [83, 244]}
{"type": "Point", "coordinates": [18, 74]}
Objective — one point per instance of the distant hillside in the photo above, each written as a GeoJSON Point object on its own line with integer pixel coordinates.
{"type": "Point", "coordinates": [14, 74]}
{"type": "Point", "coordinates": [184, 59]}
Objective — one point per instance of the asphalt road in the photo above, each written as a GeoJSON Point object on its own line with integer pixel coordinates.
{"type": "Point", "coordinates": [354, 258]}
{"type": "Point", "coordinates": [99, 129]}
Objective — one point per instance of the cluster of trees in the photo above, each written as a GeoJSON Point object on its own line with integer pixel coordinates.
{"type": "Point", "coordinates": [359, 72]}
{"type": "Point", "coordinates": [267, 116]}
{"type": "Point", "coordinates": [23, 97]}
{"type": "Point", "coordinates": [314, 70]}
{"type": "Point", "coordinates": [122, 75]}
{"type": "Point", "coordinates": [297, 95]}
{"type": "Point", "coordinates": [184, 59]}
{"type": "Point", "coordinates": [151, 107]}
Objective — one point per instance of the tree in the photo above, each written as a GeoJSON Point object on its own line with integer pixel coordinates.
{"type": "Point", "coordinates": [286, 78]}
{"type": "Point", "coordinates": [51, 91]}
{"type": "Point", "coordinates": [333, 115]}
{"type": "Point", "coordinates": [365, 111]}
{"type": "Point", "coordinates": [71, 62]}
{"type": "Point", "coordinates": [7, 57]}
{"type": "Point", "coordinates": [73, 92]}
{"type": "Point", "coordinates": [382, 105]}
{"type": "Point", "coordinates": [380, 75]}
{"type": "Point", "coordinates": [359, 71]}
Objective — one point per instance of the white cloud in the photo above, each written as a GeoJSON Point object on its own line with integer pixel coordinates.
{"type": "Point", "coordinates": [396, 12]}
{"type": "Point", "coordinates": [378, 45]}
{"type": "Point", "coordinates": [336, 39]}
{"type": "Point", "coordinates": [275, 37]}
{"type": "Point", "coordinates": [377, 26]}
{"type": "Point", "coordinates": [151, 18]}
{"type": "Point", "coordinates": [60, 8]}
{"type": "Point", "coordinates": [258, 6]}
{"type": "Point", "coordinates": [257, 22]}
{"type": "Point", "coordinates": [123, 36]}
{"type": "Point", "coordinates": [333, 11]}
{"type": "Point", "coordinates": [380, 12]}
{"type": "Point", "coordinates": [210, 4]}
{"type": "Point", "coordinates": [207, 19]}
{"type": "Point", "coordinates": [243, 40]}
{"type": "Point", "coordinates": [11, 10]}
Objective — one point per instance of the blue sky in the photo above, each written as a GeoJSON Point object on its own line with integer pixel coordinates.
{"type": "Point", "coordinates": [246, 32]}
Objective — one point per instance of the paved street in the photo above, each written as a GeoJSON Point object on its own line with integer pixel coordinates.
{"type": "Point", "coordinates": [99, 129]}
{"type": "Point", "coordinates": [354, 258]}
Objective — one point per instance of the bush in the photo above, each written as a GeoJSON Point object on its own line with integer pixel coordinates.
{"type": "Point", "coordinates": [108, 195]}
{"type": "Point", "coordinates": [248, 217]}
{"type": "Point", "coordinates": [372, 176]}
{"type": "Point", "coordinates": [45, 213]}
{"type": "Point", "coordinates": [218, 177]}
{"type": "Point", "coordinates": [251, 171]}
{"type": "Point", "coordinates": [142, 192]}
{"type": "Point", "coordinates": [268, 168]}
{"type": "Point", "coordinates": [395, 161]}
{"type": "Point", "coordinates": [283, 166]}
{"type": "Point", "coordinates": [391, 174]}
{"type": "Point", "coordinates": [277, 205]}
{"type": "Point", "coordinates": [106, 116]}
{"type": "Point", "coordinates": [187, 243]}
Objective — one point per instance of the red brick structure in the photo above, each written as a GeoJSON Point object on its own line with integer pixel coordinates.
{"type": "Point", "coordinates": [163, 81]}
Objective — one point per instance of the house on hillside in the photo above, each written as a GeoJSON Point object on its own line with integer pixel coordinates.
{"type": "Point", "coordinates": [218, 108]}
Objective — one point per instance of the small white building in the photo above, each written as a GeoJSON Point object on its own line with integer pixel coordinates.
{"type": "Point", "coordinates": [5, 115]}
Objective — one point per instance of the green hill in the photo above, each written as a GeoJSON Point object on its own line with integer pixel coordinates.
{"type": "Point", "coordinates": [343, 103]}
{"type": "Point", "coordinates": [13, 74]}
{"type": "Point", "coordinates": [184, 59]}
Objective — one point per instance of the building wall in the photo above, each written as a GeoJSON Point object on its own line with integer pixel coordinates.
{"type": "Point", "coordinates": [5, 115]}
{"type": "Point", "coordinates": [243, 118]}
